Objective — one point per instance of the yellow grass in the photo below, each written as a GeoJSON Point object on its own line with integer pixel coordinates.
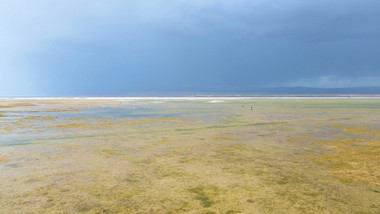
{"type": "Point", "coordinates": [287, 156]}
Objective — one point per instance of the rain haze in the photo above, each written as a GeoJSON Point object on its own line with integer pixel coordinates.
{"type": "Point", "coordinates": [116, 48]}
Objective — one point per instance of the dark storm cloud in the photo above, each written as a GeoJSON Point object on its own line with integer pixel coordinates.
{"type": "Point", "coordinates": [117, 47]}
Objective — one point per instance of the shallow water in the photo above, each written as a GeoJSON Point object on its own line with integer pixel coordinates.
{"type": "Point", "coordinates": [190, 156]}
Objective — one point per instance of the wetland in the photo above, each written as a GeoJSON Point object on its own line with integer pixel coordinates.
{"type": "Point", "coordinates": [195, 155]}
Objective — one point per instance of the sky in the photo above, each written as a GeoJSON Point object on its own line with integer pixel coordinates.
{"type": "Point", "coordinates": [119, 47]}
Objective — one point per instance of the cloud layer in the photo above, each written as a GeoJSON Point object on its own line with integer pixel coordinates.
{"type": "Point", "coordinates": [117, 47]}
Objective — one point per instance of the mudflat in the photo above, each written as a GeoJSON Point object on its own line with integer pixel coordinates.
{"type": "Point", "coordinates": [194, 155]}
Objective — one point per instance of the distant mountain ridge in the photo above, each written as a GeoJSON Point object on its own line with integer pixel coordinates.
{"type": "Point", "coordinates": [318, 91]}
{"type": "Point", "coordinates": [295, 91]}
{"type": "Point", "coordinates": [299, 91]}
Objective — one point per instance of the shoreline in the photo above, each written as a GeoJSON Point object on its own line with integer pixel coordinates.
{"type": "Point", "coordinates": [199, 97]}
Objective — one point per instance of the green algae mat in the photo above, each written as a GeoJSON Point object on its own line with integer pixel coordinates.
{"type": "Point", "coordinates": [190, 156]}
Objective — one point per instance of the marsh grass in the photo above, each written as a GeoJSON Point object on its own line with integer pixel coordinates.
{"type": "Point", "coordinates": [353, 159]}
{"type": "Point", "coordinates": [287, 156]}
{"type": "Point", "coordinates": [206, 194]}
